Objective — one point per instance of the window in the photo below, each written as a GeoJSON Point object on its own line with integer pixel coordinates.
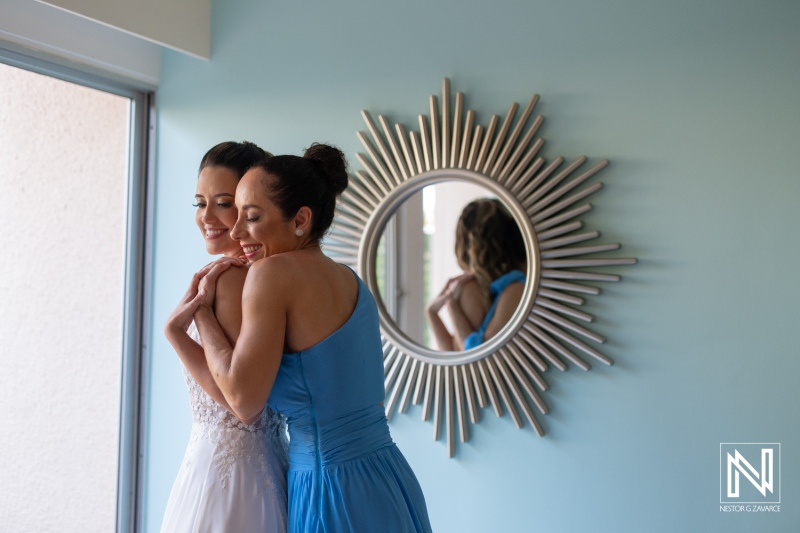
{"type": "Point", "coordinates": [72, 286]}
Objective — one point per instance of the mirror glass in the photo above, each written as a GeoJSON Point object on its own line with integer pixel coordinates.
{"type": "Point", "coordinates": [417, 256]}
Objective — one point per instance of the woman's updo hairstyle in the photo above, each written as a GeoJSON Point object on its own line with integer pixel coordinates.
{"type": "Point", "coordinates": [238, 157]}
{"type": "Point", "coordinates": [314, 181]}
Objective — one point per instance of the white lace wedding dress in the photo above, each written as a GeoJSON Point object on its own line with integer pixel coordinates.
{"type": "Point", "coordinates": [233, 476]}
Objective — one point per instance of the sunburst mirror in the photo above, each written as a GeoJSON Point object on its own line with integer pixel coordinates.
{"type": "Point", "coordinates": [382, 229]}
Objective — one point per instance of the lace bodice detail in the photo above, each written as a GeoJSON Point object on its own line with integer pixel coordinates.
{"type": "Point", "coordinates": [232, 437]}
{"type": "Point", "coordinates": [211, 417]}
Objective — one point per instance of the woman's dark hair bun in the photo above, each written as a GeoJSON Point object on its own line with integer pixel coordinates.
{"type": "Point", "coordinates": [313, 181]}
{"type": "Point", "coordinates": [332, 163]}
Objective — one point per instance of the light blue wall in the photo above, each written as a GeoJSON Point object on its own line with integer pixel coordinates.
{"type": "Point", "coordinates": [695, 104]}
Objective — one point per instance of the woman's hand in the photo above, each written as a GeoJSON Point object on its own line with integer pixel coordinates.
{"type": "Point", "coordinates": [451, 291]}
{"type": "Point", "coordinates": [458, 285]}
{"type": "Point", "coordinates": [196, 295]}
{"type": "Point", "coordinates": [181, 317]}
{"type": "Point", "coordinates": [208, 283]}
{"type": "Point", "coordinates": [235, 261]}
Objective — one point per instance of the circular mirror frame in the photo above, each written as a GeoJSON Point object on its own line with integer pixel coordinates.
{"type": "Point", "coordinates": [368, 254]}
{"type": "Point", "coordinates": [505, 371]}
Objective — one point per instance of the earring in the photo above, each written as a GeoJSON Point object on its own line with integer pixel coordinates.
{"type": "Point", "coordinates": [298, 232]}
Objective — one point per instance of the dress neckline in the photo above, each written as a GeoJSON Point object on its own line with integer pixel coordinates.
{"type": "Point", "coordinates": [340, 328]}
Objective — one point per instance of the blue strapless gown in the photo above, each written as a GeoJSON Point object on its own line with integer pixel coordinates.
{"type": "Point", "coordinates": [345, 472]}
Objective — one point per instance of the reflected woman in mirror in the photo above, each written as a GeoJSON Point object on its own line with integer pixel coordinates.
{"type": "Point", "coordinates": [233, 476]}
{"type": "Point", "coordinates": [490, 250]}
{"type": "Point", "coordinates": [310, 344]}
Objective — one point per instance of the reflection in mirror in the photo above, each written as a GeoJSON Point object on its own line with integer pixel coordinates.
{"type": "Point", "coordinates": [450, 266]}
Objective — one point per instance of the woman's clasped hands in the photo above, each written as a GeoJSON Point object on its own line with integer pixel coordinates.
{"type": "Point", "coordinates": [201, 291]}
{"type": "Point", "coordinates": [451, 292]}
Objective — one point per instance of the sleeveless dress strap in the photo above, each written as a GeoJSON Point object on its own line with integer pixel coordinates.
{"type": "Point", "coordinates": [476, 338]}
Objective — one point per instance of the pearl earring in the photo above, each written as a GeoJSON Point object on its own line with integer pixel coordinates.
{"type": "Point", "coordinates": [298, 232]}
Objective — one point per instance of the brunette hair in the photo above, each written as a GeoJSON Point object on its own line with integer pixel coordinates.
{"type": "Point", "coordinates": [238, 157]}
{"type": "Point", "coordinates": [488, 241]}
{"type": "Point", "coordinates": [314, 181]}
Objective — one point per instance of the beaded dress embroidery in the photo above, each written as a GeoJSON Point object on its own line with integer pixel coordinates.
{"type": "Point", "coordinates": [232, 438]}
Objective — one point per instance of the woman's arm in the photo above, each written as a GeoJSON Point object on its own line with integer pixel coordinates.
{"type": "Point", "coordinates": [444, 340]}
{"type": "Point", "coordinates": [245, 372]}
{"type": "Point", "coordinates": [228, 311]}
{"type": "Point", "coordinates": [467, 312]}
{"type": "Point", "coordinates": [228, 302]}
{"type": "Point", "coordinates": [507, 303]}
{"type": "Point", "coordinates": [463, 286]}
{"type": "Point", "coordinates": [461, 324]}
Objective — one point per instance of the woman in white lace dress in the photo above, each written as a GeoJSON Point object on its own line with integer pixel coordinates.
{"type": "Point", "coordinates": [233, 476]}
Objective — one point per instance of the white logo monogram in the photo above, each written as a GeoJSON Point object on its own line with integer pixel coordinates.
{"type": "Point", "coordinates": [742, 479]}
{"type": "Point", "coordinates": [740, 464]}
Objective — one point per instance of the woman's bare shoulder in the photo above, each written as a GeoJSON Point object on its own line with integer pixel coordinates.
{"type": "Point", "coordinates": [296, 264]}
{"type": "Point", "coordinates": [472, 297]}
{"type": "Point", "coordinates": [471, 288]}
{"type": "Point", "coordinates": [277, 264]}
{"type": "Point", "coordinates": [273, 273]}
{"type": "Point", "coordinates": [512, 294]}
{"type": "Point", "coordinates": [232, 279]}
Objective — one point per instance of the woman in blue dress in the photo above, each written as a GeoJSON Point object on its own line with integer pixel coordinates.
{"type": "Point", "coordinates": [490, 250]}
{"type": "Point", "coordinates": [310, 343]}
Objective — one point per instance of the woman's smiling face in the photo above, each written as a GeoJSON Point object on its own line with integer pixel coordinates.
{"type": "Point", "coordinates": [216, 211]}
{"type": "Point", "coordinates": [261, 228]}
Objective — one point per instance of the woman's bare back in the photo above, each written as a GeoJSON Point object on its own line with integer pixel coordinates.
{"type": "Point", "coordinates": [324, 295]}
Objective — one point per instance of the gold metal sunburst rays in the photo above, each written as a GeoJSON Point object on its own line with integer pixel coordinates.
{"type": "Point", "coordinates": [544, 199]}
